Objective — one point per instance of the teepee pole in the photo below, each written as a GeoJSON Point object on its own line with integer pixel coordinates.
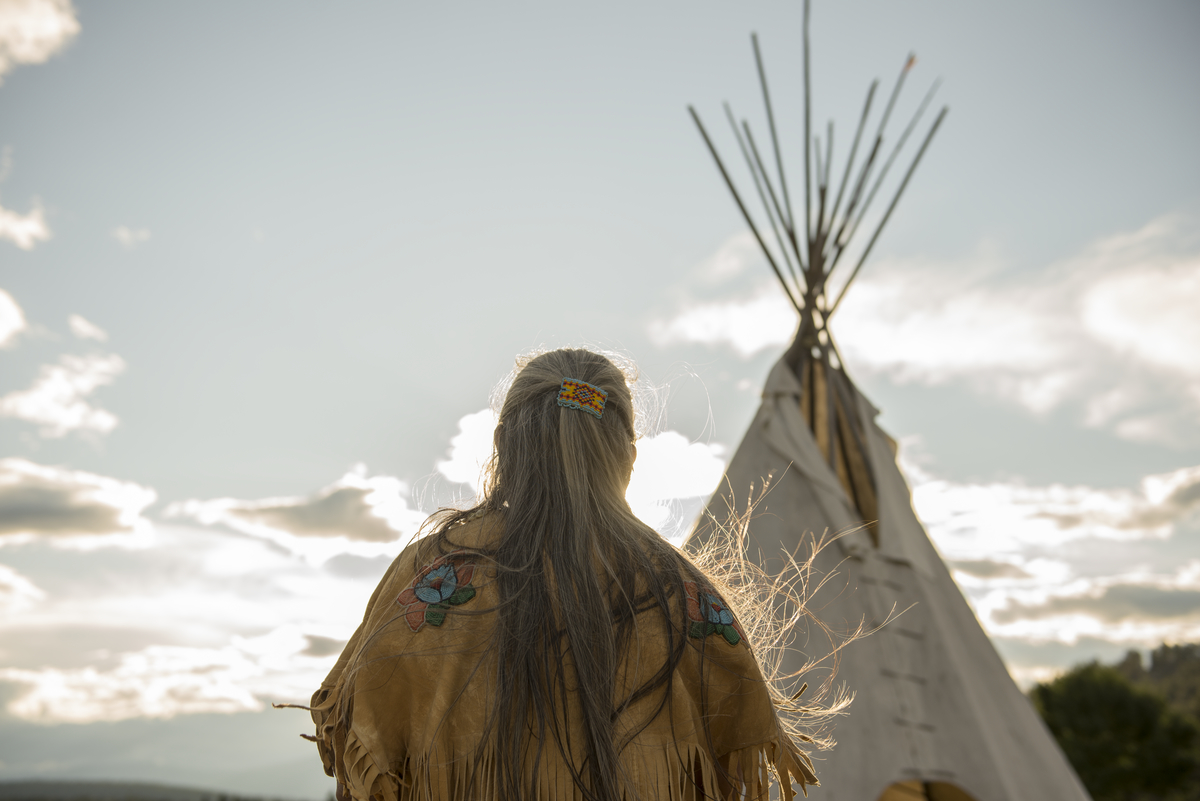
{"type": "Point", "coordinates": [862, 212]}
{"type": "Point", "coordinates": [862, 123]}
{"type": "Point", "coordinates": [896, 199]}
{"type": "Point", "coordinates": [774, 198]}
{"type": "Point", "coordinates": [742, 206]}
{"type": "Point", "coordinates": [817, 165]}
{"type": "Point", "coordinates": [887, 112]}
{"type": "Point", "coordinates": [798, 272]}
{"type": "Point", "coordinates": [820, 271]}
{"type": "Point", "coordinates": [822, 226]}
{"type": "Point", "coordinates": [762, 79]}
{"type": "Point", "coordinates": [780, 211]}
{"type": "Point", "coordinates": [807, 145]}
{"type": "Point", "coordinates": [754, 173]}
{"type": "Point", "coordinates": [864, 176]}
{"type": "Point", "coordinates": [828, 234]}
{"type": "Point", "coordinates": [840, 240]}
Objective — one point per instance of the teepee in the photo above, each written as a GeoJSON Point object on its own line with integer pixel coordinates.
{"type": "Point", "coordinates": [935, 715]}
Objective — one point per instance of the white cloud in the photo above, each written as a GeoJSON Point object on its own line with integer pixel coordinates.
{"type": "Point", "coordinates": [356, 514]}
{"type": "Point", "coordinates": [1112, 330]}
{"type": "Point", "coordinates": [983, 521]}
{"type": "Point", "coordinates": [200, 621]}
{"type": "Point", "coordinates": [1139, 609]}
{"type": "Point", "coordinates": [66, 505]}
{"type": "Point", "coordinates": [1112, 602]}
{"type": "Point", "coordinates": [669, 468]}
{"type": "Point", "coordinates": [17, 593]}
{"type": "Point", "coordinates": [187, 586]}
{"type": "Point", "coordinates": [734, 256]}
{"type": "Point", "coordinates": [1150, 314]}
{"type": "Point", "coordinates": [1053, 563]}
{"type": "Point", "coordinates": [86, 330]}
{"type": "Point", "coordinates": [57, 400]}
{"type": "Point", "coordinates": [31, 31]}
{"type": "Point", "coordinates": [920, 325]}
{"type": "Point", "coordinates": [470, 449]}
{"type": "Point", "coordinates": [749, 325]}
{"type": "Point", "coordinates": [193, 592]}
{"type": "Point", "coordinates": [162, 681]}
{"type": "Point", "coordinates": [130, 237]}
{"type": "Point", "coordinates": [24, 230]}
{"type": "Point", "coordinates": [12, 319]}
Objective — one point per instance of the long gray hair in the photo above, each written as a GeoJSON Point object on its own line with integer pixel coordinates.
{"type": "Point", "coordinates": [571, 550]}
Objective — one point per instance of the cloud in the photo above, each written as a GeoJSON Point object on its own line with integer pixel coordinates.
{"type": "Point", "coordinates": [1033, 661]}
{"type": "Point", "coordinates": [978, 521]}
{"type": "Point", "coordinates": [1112, 604]}
{"type": "Point", "coordinates": [669, 468]}
{"type": "Point", "coordinates": [43, 501]}
{"type": "Point", "coordinates": [12, 319]}
{"type": "Point", "coordinates": [130, 237]}
{"type": "Point", "coordinates": [1129, 616]}
{"type": "Point", "coordinates": [57, 400]}
{"type": "Point", "coordinates": [1150, 314]}
{"type": "Point", "coordinates": [356, 507]}
{"type": "Point", "coordinates": [989, 569]}
{"type": "Point", "coordinates": [1111, 330]}
{"type": "Point", "coordinates": [199, 620]}
{"type": "Point", "coordinates": [734, 256]}
{"type": "Point", "coordinates": [31, 31]}
{"type": "Point", "coordinates": [24, 230]}
{"type": "Point", "coordinates": [186, 586]}
{"type": "Point", "coordinates": [470, 449]}
{"type": "Point", "coordinates": [86, 330]}
{"type": "Point", "coordinates": [322, 646]}
{"type": "Point", "coordinates": [749, 325]}
{"type": "Point", "coordinates": [1170, 497]}
{"type": "Point", "coordinates": [350, 566]}
{"type": "Point", "coordinates": [162, 681]}
{"type": "Point", "coordinates": [17, 593]}
{"type": "Point", "coordinates": [1059, 563]}
{"type": "Point", "coordinates": [1140, 609]}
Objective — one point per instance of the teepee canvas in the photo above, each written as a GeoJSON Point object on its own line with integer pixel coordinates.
{"type": "Point", "coordinates": [936, 715]}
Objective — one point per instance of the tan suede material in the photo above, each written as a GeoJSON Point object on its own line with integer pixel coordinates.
{"type": "Point", "coordinates": [402, 713]}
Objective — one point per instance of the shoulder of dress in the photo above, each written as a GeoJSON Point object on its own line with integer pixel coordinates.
{"type": "Point", "coordinates": [480, 530]}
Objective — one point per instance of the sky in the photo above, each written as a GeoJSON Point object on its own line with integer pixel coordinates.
{"type": "Point", "coordinates": [262, 267]}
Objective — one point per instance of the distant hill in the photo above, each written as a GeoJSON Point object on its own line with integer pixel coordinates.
{"type": "Point", "coordinates": [111, 791]}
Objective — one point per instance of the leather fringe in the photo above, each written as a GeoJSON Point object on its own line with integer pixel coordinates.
{"type": "Point", "coordinates": [440, 776]}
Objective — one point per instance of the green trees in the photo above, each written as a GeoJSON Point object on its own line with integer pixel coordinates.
{"type": "Point", "coordinates": [1123, 739]}
{"type": "Point", "coordinates": [1174, 674]}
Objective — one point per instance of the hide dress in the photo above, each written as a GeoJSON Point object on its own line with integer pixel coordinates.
{"type": "Point", "coordinates": [403, 712]}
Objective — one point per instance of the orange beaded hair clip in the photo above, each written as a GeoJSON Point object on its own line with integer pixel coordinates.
{"type": "Point", "coordinates": [576, 394]}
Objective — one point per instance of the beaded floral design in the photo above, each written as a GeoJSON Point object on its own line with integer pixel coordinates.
{"type": "Point", "coordinates": [708, 614]}
{"type": "Point", "coordinates": [576, 394]}
{"type": "Point", "coordinates": [444, 583]}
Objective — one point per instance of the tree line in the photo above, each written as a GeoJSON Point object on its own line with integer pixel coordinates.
{"type": "Point", "coordinates": [1131, 731]}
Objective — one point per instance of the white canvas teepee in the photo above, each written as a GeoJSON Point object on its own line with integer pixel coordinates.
{"type": "Point", "coordinates": [936, 715]}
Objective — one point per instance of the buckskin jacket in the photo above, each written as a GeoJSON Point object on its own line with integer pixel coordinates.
{"type": "Point", "coordinates": [401, 715]}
